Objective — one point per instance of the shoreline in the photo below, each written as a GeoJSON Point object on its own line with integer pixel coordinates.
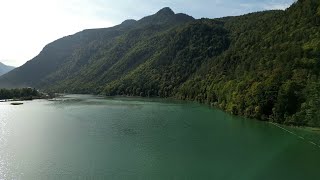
{"type": "Point", "coordinates": [305, 128]}
{"type": "Point", "coordinates": [16, 100]}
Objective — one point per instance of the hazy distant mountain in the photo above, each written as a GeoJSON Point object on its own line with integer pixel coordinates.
{"type": "Point", "coordinates": [261, 65]}
{"type": "Point", "coordinates": [4, 68]}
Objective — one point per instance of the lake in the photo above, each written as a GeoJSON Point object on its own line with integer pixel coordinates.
{"type": "Point", "coordinates": [87, 137]}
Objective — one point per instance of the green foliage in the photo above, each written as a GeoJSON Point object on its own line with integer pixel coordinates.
{"type": "Point", "coordinates": [261, 65]}
{"type": "Point", "coordinates": [270, 71]}
{"type": "Point", "coordinates": [24, 93]}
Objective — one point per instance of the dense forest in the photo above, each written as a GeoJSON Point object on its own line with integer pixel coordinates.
{"type": "Point", "coordinates": [262, 65]}
{"type": "Point", "coordinates": [21, 94]}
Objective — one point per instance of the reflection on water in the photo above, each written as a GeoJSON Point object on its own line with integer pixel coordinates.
{"type": "Point", "coordinates": [85, 137]}
{"type": "Point", "coordinates": [5, 155]}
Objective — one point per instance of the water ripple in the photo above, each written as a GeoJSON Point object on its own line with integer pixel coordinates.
{"type": "Point", "coordinates": [5, 155]}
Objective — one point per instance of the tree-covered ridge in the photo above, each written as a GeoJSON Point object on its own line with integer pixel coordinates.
{"type": "Point", "coordinates": [90, 54]}
{"type": "Point", "coordinates": [261, 65]}
{"type": "Point", "coordinates": [182, 51]}
{"type": "Point", "coordinates": [270, 71]}
{"type": "Point", "coordinates": [21, 94]}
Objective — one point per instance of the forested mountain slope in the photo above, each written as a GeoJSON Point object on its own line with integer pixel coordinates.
{"type": "Point", "coordinates": [271, 69]}
{"type": "Point", "coordinates": [91, 58]}
{"type": "Point", "coordinates": [261, 65]}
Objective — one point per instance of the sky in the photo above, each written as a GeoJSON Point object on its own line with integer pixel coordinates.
{"type": "Point", "coordinates": [26, 26]}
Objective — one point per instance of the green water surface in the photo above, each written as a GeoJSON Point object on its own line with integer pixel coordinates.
{"type": "Point", "coordinates": [86, 137]}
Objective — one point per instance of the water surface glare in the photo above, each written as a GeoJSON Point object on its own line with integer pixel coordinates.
{"type": "Point", "coordinates": [86, 137]}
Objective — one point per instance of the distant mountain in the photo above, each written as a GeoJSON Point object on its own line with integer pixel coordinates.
{"type": "Point", "coordinates": [262, 65]}
{"type": "Point", "coordinates": [4, 68]}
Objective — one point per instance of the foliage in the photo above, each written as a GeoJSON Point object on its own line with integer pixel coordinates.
{"type": "Point", "coordinates": [24, 93]}
{"type": "Point", "coordinates": [261, 65]}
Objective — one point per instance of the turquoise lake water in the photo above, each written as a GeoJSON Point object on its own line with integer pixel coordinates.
{"type": "Point", "coordinates": [87, 137]}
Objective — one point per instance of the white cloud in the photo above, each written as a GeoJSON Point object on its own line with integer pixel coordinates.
{"type": "Point", "coordinates": [277, 6]}
{"type": "Point", "coordinates": [271, 5]}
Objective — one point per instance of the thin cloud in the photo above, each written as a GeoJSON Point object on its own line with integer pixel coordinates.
{"type": "Point", "coordinates": [265, 6]}
{"type": "Point", "coordinates": [277, 6]}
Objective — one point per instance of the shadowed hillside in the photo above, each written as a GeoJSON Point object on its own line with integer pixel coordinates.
{"type": "Point", "coordinates": [261, 65]}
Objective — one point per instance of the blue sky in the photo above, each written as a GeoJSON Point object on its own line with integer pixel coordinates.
{"type": "Point", "coordinates": [27, 26]}
{"type": "Point", "coordinates": [196, 8]}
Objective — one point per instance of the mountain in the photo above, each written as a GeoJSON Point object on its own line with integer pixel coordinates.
{"type": "Point", "coordinates": [262, 65]}
{"type": "Point", "coordinates": [4, 68]}
{"type": "Point", "coordinates": [95, 54]}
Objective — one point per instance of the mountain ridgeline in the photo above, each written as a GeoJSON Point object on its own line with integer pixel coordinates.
{"type": "Point", "coordinates": [262, 65]}
{"type": "Point", "coordinates": [4, 68]}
